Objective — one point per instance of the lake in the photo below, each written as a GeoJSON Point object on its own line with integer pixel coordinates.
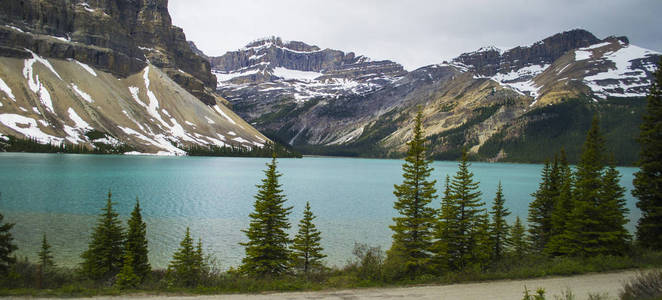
{"type": "Point", "coordinates": [61, 195]}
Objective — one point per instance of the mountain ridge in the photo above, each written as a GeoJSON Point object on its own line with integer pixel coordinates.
{"type": "Point", "coordinates": [107, 73]}
{"type": "Point", "coordinates": [466, 102]}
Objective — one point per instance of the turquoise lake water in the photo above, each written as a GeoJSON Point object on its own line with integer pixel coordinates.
{"type": "Point", "coordinates": [61, 196]}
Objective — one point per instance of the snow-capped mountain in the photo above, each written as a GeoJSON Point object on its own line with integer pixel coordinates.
{"type": "Point", "coordinates": [109, 73]}
{"type": "Point", "coordinates": [344, 104]}
{"type": "Point", "coordinates": [271, 69]}
{"type": "Point", "coordinates": [575, 61]}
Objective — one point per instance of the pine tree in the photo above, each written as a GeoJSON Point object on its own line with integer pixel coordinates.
{"type": "Point", "coordinates": [446, 244]}
{"type": "Point", "coordinates": [6, 246]}
{"type": "Point", "coordinates": [540, 209]}
{"type": "Point", "coordinates": [136, 243]}
{"type": "Point", "coordinates": [648, 180]}
{"type": "Point", "coordinates": [518, 241]}
{"type": "Point", "coordinates": [267, 252]}
{"type": "Point", "coordinates": [558, 242]}
{"type": "Point", "coordinates": [200, 260]}
{"type": "Point", "coordinates": [45, 255]}
{"type": "Point", "coordinates": [103, 258]}
{"type": "Point", "coordinates": [615, 237]}
{"type": "Point", "coordinates": [127, 278]}
{"type": "Point", "coordinates": [412, 237]}
{"type": "Point", "coordinates": [306, 248]}
{"type": "Point", "coordinates": [184, 268]}
{"type": "Point", "coordinates": [593, 227]}
{"type": "Point", "coordinates": [470, 218]}
{"type": "Point", "coordinates": [499, 227]}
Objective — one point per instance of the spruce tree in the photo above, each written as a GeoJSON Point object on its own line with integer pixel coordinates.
{"type": "Point", "coordinates": [540, 209]}
{"type": "Point", "coordinates": [615, 237]}
{"type": "Point", "coordinates": [267, 252]}
{"type": "Point", "coordinates": [200, 260]}
{"type": "Point", "coordinates": [127, 278]}
{"type": "Point", "coordinates": [45, 255]}
{"type": "Point", "coordinates": [518, 241]}
{"type": "Point", "coordinates": [499, 227]}
{"type": "Point", "coordinates": [469, 234]}
{"type": "Point", "coordinates": [103, 258]}
{"type": "Point", "coordinates": [648, 180]}
{"type": "Point", "coordinates": [595, 224]}
{"type": "Point", "coordinates": [184, 268]}
{"type": "Point", "coordinates": [306, 248]}
{"type": "Point", "coordinates": [413, 228]}
{"type": "Point", "coordinates": [558, 242]}
{"type": "Point", "coordinates": [446, 229]}
{"type": "Point", "coordinates": [136, 243]}
{"type": "Point", "coordinates": [6, 246]}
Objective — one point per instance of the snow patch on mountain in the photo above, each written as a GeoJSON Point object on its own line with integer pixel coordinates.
{"type": "Point", "coordinates": [28, 127]}
{"type": "Point", "coordinates": [289, 74]}
{"type": "Point", "coordinates": [623, 79]}
{"type": "Point", "coordinates": [7, 90]}
{"type": "Point", "coordinates": [80, 92]}
{"type": "Point", "coordinates": [521, 80]}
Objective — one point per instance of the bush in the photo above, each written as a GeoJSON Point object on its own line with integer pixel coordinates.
{"type": "Point", "coordinates": [369, 262]}
{"type": "Point", "coordinates": [644, 286]}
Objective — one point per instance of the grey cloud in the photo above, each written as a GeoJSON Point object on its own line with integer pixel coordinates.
{"type": "Point", "coordinates": [413, 33]}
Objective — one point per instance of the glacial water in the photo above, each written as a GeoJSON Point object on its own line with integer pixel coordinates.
{"type": "Point", "coordinates": [61, 196]}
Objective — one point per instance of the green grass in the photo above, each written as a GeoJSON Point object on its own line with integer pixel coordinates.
{"type": "Point", "coordinates": [368, 271]}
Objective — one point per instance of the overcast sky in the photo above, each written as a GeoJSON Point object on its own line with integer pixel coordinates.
{"type": "Point", "coordinates": [413, 33]}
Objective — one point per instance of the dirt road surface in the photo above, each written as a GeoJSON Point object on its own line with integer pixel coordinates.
{"type": "Point", "coordinates": [605, 284]}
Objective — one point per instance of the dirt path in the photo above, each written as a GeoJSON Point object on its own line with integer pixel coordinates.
{"type": "Point", "coordinates": [608, 284]}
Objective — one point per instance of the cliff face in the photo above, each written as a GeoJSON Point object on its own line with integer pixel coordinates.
{"type": "Point", "coordinates": [489, 101]}
{"type": "Point", "coordinates": [489, 61]}
{"type": "Point", "coordinates": [117, 36]}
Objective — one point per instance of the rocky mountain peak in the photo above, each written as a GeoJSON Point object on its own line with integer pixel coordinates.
{"type": "Point", "coordinates": [277, 42]}
{"type": "Point", "coordinates": [118, 36]}
{"type": "Point", "coordinates": [488, 61]}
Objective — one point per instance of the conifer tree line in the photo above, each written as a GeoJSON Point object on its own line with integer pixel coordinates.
{"type": "Point", "coordinates": [576, 213]}
{"type": "Point", "coordinates": [270, 252]}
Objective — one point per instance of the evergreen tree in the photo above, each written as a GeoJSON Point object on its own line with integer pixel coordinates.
{"type": "Point", "coordinates": [184, 268]}
{"type": "Point", "coordinates": [499, 227]}
{"type": "Point", "coordinates": [413, 228]}
{"type": "Point", "coordinates": [103, 258]}
{"type": "Point", "coordinates": [518, 242]}
{"type": "Point", "coordinates": [615, 237]}
{"type": "Point", "coordinates": [136, 243]}
{"type": "Point", "coordinates": [200, 260]}
{"type": "Point", "coordinates": [6, 246]}
{"type": "Point", "coordinates": [540, 209]}
{"type": "Point", "coordinates": [306, 248]}
{"type": "Point", "coordinates": [648, 180]}
{"type": "Point", "coordinates": [127, 278]}
{"type": "Point", "coordinates": [470, 218]}
{"type": "Point", "coordinates": [558, 242]}
{"type": "Point", "coordinates": [267, 252]}
{"type": "Point", "coordinates": [45, 255]}
{"type": "Point", "coordinates": [593, 227]}
{"type": "Point", "coordinates": [447, 242]}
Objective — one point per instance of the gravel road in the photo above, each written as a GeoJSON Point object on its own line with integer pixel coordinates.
{"type": "Point", "coordinates": [607, 284]}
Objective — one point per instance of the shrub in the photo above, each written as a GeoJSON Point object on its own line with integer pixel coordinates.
{"type": "Point", "coordinates": [644, 286]}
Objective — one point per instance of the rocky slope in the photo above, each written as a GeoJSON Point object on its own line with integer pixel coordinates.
{"type": "Point", "coordinates": [272, 70]}
{"type": "Point", "coordinates": [109, 72]}
{"type": "Point", "coordinates": [478, 100]}
{"type": "Point", "coordinates": [120, 37]}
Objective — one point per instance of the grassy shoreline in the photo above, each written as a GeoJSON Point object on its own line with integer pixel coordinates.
{"type": "Point", "coordinates": [357, 274]}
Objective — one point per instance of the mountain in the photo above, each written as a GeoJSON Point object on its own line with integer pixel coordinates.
{"type": "Point", "coordinates": [499, 104]}
{"type": "Point", "coordinates": [272, 69]}
{"type": "Point", "coordinates": [109, 72]}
